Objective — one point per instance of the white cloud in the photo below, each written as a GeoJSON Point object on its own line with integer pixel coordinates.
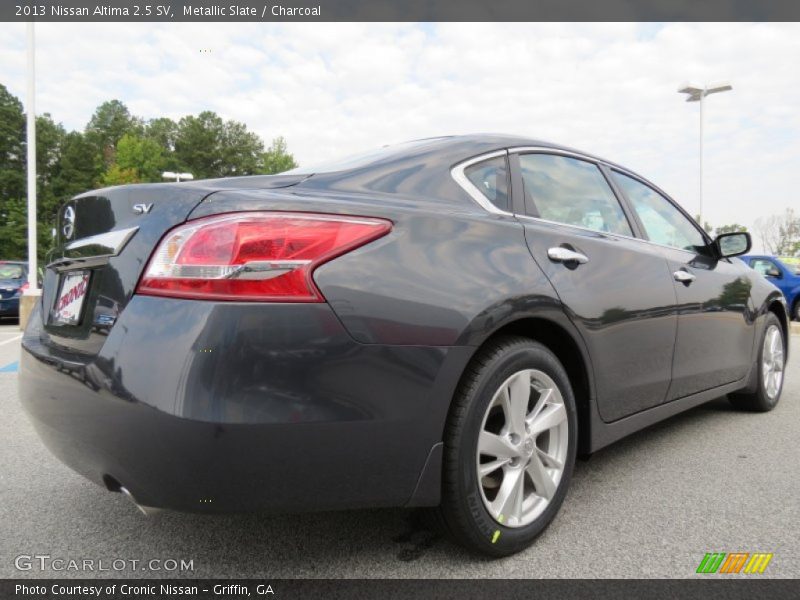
{"type": "Point", "coordinates": [338, 88]}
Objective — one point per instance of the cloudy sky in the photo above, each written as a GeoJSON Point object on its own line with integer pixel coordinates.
{"type": "Point", "coordinates": [334, 89]}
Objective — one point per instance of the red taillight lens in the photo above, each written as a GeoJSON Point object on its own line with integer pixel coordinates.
{"type": "Point", "coordinates": [253, 256]}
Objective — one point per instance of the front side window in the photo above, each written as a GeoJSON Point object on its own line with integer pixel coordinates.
{"type": "Point", "coordinates": [491, 178]}
{"type": "Point", "coordinates": [573, 192]}
{"type": "Point", "coordinates": [663, 223]}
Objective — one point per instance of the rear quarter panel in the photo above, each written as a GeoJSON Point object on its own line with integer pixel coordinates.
{"type": "Point", "coordinates": [444, 276]}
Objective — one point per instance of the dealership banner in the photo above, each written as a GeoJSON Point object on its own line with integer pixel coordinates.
{"type": "Point", "coordinates": [351, 589]}
{"type": "Point", "coordinates": [396, 10]}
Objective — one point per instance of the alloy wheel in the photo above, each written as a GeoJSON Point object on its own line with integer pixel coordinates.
{"type": "Point", "coordinates": [522, 448]}
{"type": "Point", "coordinates": [772, 361]}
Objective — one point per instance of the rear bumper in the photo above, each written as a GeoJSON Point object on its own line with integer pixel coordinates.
{"type": "Point", "coordinates": [9, 307]}
{"type": "Point", "coordinates": [199, 406]}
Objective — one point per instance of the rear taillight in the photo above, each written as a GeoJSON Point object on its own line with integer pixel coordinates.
{"type": "Point", "coordinates": [253, 256]}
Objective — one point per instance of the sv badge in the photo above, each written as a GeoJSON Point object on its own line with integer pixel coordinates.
{"type": "Point", "coordinates": [142, 209]}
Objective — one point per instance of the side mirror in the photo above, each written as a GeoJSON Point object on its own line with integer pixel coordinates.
{"type": "Point", "coordinates": [774, 272]}
{"type": "Point", "coordinates": [733, 244]}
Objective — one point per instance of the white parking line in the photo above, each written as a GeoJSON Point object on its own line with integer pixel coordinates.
{"type": "Point", "coordinates": [14, 339]}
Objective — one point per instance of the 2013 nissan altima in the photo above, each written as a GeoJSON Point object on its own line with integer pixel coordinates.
{"type": "Point", "coordinates": [444, 323]}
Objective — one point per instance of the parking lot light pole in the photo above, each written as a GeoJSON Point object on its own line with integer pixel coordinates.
{"type": "Point", "coordinates": [697, 94]}
{"type": "Point", "coordinates": [32, 293]}
{"type": "Point", "coordinates": [31, 147]}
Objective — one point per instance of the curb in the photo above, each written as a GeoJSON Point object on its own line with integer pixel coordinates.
{"type": "Point", "coordinates": [794, 327]}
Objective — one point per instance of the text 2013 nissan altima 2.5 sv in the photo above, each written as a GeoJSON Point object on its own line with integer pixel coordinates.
{"type": "Point", "coordinates": [446, 323]}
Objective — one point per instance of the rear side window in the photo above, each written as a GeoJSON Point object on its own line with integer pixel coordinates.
{"type": "Point", "coordinates": [491, 178]}
{"type": "Point", "coordinates": [573, 192]}
{"type": "Point", "coordinates": [663, 223]}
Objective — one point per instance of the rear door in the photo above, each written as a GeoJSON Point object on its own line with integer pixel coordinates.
{"type": "Point", "coordinates": [715, 314]}
{"type": "Point", "coordinates": [617, 289]}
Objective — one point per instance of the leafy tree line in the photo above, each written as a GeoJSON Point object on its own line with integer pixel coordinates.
{"type": "Point", "coordinates": [115, 148]}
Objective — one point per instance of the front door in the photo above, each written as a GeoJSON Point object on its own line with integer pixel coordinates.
{"type": "Point", "coordinates": [715, 321]}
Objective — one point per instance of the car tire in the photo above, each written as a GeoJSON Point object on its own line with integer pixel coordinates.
{"type": "Point", "coordinates": [532, 481]}
{"type": "Point", "coordinates": [769, 368]}
{"type": "Point", "coordinates": [796, 310]}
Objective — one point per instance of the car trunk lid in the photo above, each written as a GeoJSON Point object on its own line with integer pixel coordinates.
{"type": "Point", "coordinates": [103, 241]}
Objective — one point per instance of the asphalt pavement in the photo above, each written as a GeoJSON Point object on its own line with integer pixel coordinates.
{"type": "Point", "coordinates": [709, 480]}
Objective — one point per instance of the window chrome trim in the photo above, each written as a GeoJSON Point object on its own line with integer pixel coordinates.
{"type": "Point", "coordinates": [612, 167]}
{"type": "Point", "coordinates": [604, 233]}
{"type": "Point", "coordinates": [457, 173]}
{"type": "Point", "coordinates": [546, 150]}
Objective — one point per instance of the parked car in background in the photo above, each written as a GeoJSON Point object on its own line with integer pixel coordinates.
{"type": "Point", "coordinates": [443, 323]}
{"type": "Point", "coordinates": [13, 281]}
{"type": "Point", "coordinates": [784, 277]}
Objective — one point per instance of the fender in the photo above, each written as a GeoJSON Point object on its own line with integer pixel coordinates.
{"type": "Point", "coordinates": [545, 317]}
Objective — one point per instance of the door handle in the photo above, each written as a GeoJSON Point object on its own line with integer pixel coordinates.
{"type": "Point", "coordinates": [684, 277]}
{"type": "Point", "coordinates": [563, 255]}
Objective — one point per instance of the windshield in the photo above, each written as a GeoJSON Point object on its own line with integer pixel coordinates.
{"type": "Point", "coordinates": [11, 272]}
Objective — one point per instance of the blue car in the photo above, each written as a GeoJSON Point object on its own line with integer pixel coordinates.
{"type": "Point", "coordinates": [782, 275]}
{"type": "Point", "coordinates": [13, 281]}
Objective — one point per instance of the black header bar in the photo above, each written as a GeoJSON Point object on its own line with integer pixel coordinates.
{"type": "Point", "coordinates": [397, 10]}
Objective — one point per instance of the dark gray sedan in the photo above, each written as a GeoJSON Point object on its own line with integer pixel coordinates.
{"type": "Point", "coordinates": [443, 323]}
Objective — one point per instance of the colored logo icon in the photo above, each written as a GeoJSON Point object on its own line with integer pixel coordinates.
{"type": "Point", "coordinates": [734, 562]}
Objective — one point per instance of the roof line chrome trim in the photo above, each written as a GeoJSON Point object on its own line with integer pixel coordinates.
{"type": "Point", "coordinates": [457, 173]}
{"type": "Point", "coordinates": [546, 150]}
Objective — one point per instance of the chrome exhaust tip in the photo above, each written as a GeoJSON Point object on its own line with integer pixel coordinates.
{"type": "Point", "coordinates": [147, 511]}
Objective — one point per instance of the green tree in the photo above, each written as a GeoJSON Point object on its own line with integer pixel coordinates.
{"type": "Point", "coordinates": [164, 131]}
{"type": "Point", "coordinates": [49, 141]}
{"type": "Point", "coordinates": [14, 231]}
{"type": "Point", "coordinates": [137, 159]}
{"type": "Point", "coordinates": [197, 144]}
{"type": "Point", "coordinates": [13, 228]}
{"type": "Point", "coordinates": [110, 121]}
{"type": "Point", "coordinates": [241, 149]}
{"type": "Point", "coordinates": [12, 147]}
{"type": "Point", "coordinates": [13, 187]}
{"type": "Point", "coordinates": [115, 148]}
{"type": "Point", "coordinates": [277, 158]}
{"type": "Point", "coordinates": [76, 167]}
{"type": "Point", "coordinates": [207, 146]}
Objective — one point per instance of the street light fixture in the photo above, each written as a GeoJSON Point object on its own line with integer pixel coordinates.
{"type": "Point", "coordinates": [178, 177]}
{"type": "Point", "coordinates": [695, 93]}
